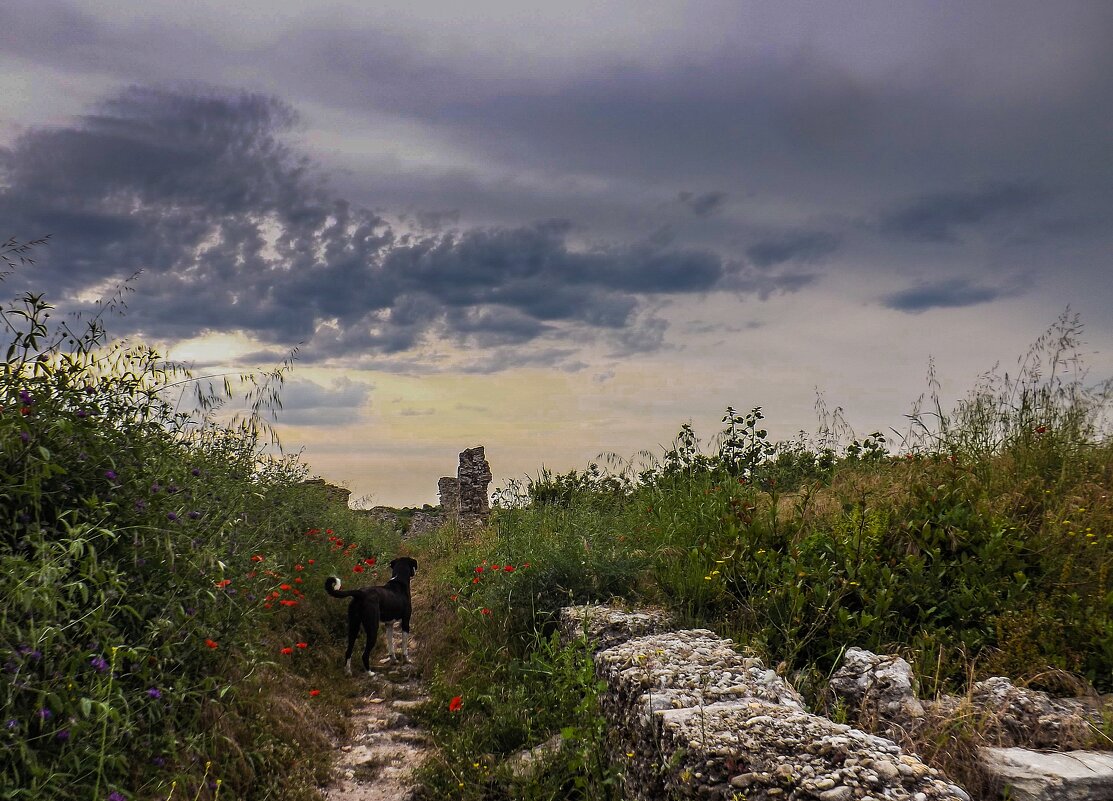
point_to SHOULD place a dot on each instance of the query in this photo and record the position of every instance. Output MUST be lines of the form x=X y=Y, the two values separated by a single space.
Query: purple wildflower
x=23 y=435
x=63 y=735
x=195 y=472
x=100 y=663
x=194 y=515
x=140 y=505
x=154 y=692
x=171 y=516
x=12 y=724
x=110 y=475
x=115 y=796
x=45 y=714
x=82 y=414
x=155 y=488
x=172 y=489
x=25 y=396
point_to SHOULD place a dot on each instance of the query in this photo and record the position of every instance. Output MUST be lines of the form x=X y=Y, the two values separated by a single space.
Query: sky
x=566 y=229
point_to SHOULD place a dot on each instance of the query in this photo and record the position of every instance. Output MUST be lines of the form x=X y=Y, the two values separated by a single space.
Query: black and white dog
x=371 y=606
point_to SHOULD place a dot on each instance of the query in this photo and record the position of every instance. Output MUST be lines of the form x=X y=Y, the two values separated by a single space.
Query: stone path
x=386 y=745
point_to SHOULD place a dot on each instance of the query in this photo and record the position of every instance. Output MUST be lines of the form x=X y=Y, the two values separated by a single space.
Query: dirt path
x=386 y=745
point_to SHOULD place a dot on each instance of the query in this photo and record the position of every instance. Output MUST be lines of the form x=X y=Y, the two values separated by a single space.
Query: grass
x=979 y=542
x=163 y=633
x=158 y=635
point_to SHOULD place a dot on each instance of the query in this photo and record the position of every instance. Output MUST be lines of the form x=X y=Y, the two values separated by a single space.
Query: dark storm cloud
x=943 y=216
x=943 y=295
x=234 y=231
x=704 y=204
x=802 y=246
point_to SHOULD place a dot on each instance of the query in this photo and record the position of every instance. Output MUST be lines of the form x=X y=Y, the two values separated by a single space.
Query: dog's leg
x=389 y=644
x=353 y=632
x=371 y=626
x=406 y=639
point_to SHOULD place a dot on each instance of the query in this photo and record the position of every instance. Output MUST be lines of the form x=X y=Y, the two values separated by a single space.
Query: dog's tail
x=332 y=587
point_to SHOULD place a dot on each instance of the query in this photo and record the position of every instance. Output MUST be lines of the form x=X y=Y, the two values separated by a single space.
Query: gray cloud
x=704 y=204
x=306 y=402
x=941 y=217
x=943 y=295
x=235 y=230
x=800 y=246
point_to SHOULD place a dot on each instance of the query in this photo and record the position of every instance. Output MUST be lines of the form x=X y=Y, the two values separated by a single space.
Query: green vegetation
x=982 y=546
x=155 y=641
x=159 y=637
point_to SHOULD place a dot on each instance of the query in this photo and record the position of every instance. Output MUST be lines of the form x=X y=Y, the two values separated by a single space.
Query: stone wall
x=473 y=477
x=448 y=488
x=691 y=718
x=332 y=492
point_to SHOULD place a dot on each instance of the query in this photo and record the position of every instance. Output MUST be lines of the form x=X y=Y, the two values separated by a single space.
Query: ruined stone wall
x=473 y=478
x=332 y=492
x=449 y=490
x=691 y=718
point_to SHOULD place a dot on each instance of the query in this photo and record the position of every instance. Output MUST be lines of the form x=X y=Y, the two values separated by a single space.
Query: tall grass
x=977 y=543
x=154 y=578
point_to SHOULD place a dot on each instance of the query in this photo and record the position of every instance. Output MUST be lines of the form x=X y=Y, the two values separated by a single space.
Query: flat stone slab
x=1052 y=775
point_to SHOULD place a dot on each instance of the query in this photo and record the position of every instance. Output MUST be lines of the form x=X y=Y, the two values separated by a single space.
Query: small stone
x=886 y=771
x=826 y=783
x=843 y=793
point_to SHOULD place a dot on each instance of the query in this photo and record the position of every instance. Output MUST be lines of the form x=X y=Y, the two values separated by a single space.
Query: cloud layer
x=235 y=230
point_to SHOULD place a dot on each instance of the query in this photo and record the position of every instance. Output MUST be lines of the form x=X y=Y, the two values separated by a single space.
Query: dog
x=371 y=606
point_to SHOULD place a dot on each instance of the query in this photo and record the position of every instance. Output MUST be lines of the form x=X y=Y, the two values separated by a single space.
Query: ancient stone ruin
x=472 y=478
x=463 y=499
x=690 y=717
x=449 y=490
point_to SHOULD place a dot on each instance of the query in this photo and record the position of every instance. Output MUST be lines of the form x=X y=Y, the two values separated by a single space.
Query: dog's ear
x=393 y=562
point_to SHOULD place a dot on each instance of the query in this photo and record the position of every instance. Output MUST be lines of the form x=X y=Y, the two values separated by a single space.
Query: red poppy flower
x=299 y=568
x=453 y=597
x=257 y=558
x=525 y=565
x=508 y=569
x=479 y=569
x=475 y=580
x=1041 y=429
x=485 y=611
x=25 y=410
x=224 y=582
x=287 y=651
x=298 y=580
x=358 y=569
x=495 y=567
x=312 y=561
x=284 y=587
x=455 y=704
x=302 y=644
x=267 y=605
x=314 y=693
x=211 y=643
x=369 y=561
x=288 y=602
